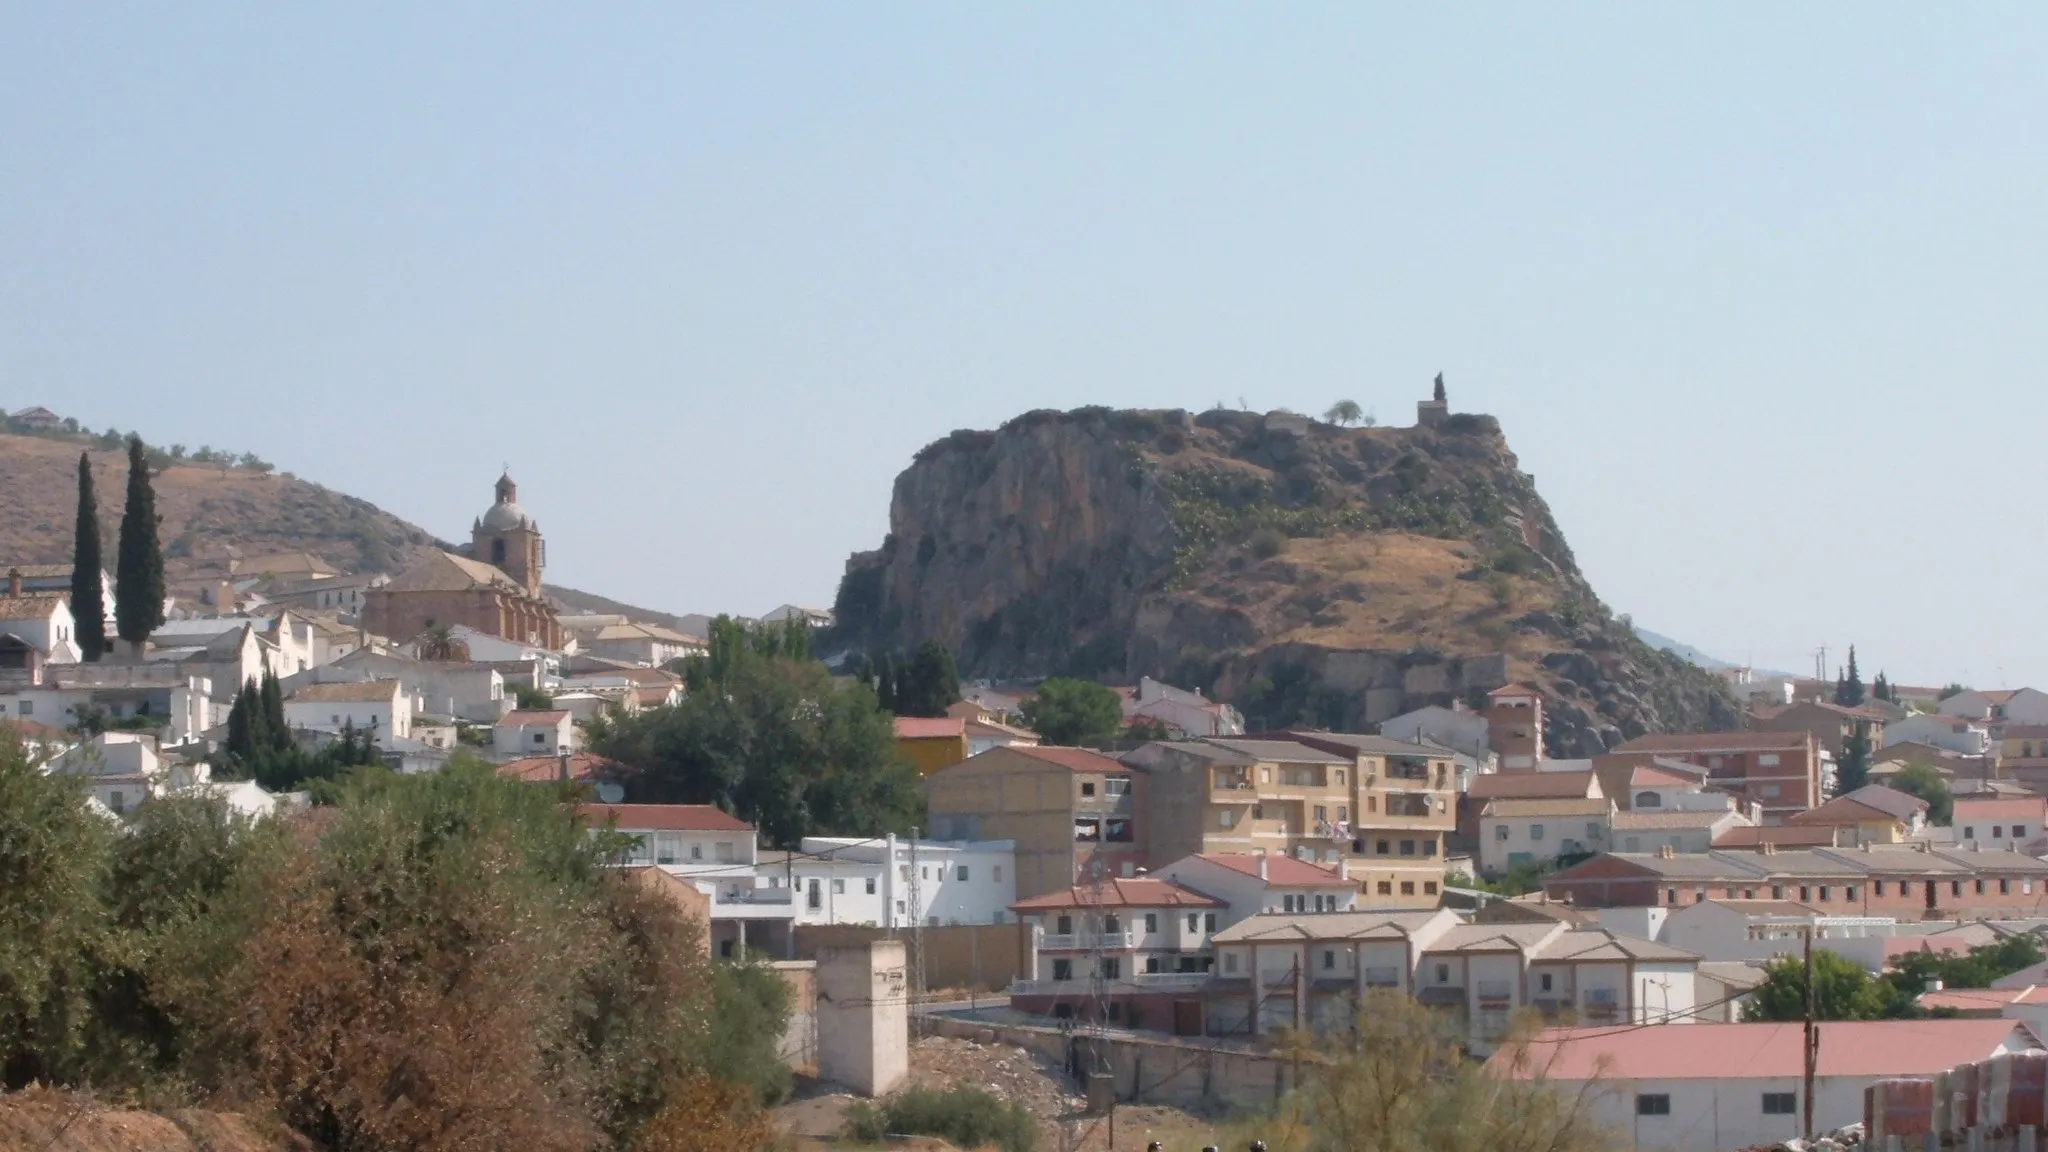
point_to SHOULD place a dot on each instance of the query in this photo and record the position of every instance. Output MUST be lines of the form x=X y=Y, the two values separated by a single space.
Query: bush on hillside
x=963 y=1116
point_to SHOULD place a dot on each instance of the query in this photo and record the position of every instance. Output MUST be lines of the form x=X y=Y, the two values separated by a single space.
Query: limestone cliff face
x=1310 y=573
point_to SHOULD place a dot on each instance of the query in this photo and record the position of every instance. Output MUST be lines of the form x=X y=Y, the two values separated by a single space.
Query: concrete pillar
x=864 y=1016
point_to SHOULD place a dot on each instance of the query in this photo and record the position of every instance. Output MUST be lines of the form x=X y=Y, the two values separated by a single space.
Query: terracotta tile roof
x=525 y=716
x=1281 y=871
x=1077 y=759
x=2009 y=808
x=663 y=817
x=447 y=572
x=1641 y=819
x=1531 y=785
x=29 y=606
x=1787 y=835
x=930 y=728
x=1324 y=926
x=1870 y=802
x=1369 y=745
x=1707 y=1051
x=364 y=692
x=1121 y=893
x=2026 y=732
x=1716 y=742
x=1992 y=1000
x=539 y=769
x=1648 y=776
x=1277 y=751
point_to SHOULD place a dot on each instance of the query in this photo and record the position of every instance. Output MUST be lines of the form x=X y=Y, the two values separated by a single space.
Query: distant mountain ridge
x=1682 y=650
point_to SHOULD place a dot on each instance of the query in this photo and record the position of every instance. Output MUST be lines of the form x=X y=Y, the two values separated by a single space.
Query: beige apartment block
x=1066 y=808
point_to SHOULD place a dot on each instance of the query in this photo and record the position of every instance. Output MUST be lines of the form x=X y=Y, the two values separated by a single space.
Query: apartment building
x=1782 y=773
x=1918 y=881
x=1066 y=809
x=1380 y=806
x=1130 y=952
x=1517 y=832
x=1252 y=883
x=1307 y=971
x=1514 y=717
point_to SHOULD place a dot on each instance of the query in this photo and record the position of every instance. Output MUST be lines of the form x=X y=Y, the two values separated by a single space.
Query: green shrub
x=962 y=1116
x=1268 y=543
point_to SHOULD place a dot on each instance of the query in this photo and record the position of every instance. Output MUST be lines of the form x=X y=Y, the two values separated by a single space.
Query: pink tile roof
x=1982 y=999
x=539 y=769
x=664 y=817
x=525 y=716
x=1077 y=759
x=1281 y=871
x=1646 y=776
x=1120 y=893
x=2006 y=808
x=930 y=728
x=1531 y=785
x=1707 y=1051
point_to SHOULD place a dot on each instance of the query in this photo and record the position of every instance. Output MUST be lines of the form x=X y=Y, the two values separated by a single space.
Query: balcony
x=1084 y=941
x=1376 y=977
x=1233 y=792
x=1494 y=991
x=1080 y=985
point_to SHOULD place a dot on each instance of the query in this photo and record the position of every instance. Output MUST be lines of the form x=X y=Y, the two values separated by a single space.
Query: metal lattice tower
x=1098 y=979
x=916 y=934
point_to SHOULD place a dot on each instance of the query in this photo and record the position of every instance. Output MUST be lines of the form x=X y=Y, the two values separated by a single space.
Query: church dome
x=503 y=516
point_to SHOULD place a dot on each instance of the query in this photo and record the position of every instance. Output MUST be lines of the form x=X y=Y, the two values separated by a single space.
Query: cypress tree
x=241 y=746
x=88 y=598
x=279 y=734
x=139 y=569
x=1849 y=689
x=1441 y=398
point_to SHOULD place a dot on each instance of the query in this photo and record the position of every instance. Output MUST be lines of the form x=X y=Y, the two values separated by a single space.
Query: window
x=2019 y=831
x=1386 y=888
x=1087 y=829
x=1767 y=760
x=1151 y=963
x=1825 y=891
x=1208 y=922
x=1671 y=896
x=1653 y=1104
x=540 y=737
x=1649 y=800
x=960 y=872
x=903 y=873
x=1224 y=818
x=1876 y=889
x=1980 y=886
x=1955 y=887
x=1116 y=787
x=998 y=874
x=1443 y=973
x=1322 y=814
x=1194 y=922
x=1065 y=925
x=666 y=846
x=813 y=897
x=696 y=852
x=1998 y=831
x=1781 y=1103
x=1151 y=921
x=1592 y=830
x=1500 y=832
x=1112 y=924
x=871 y=885
x=839 y=887
x=1969 y=831
x=1329 y=959
x=1769 y=790
x=1386 y=847
x=924 y=873
x=1063 y=969
x=2004 y=886
x=1777 y=891
x=1805 y=893
x=118 y=802
x=1535 y=831
x=1340 y=777
x=1546 y=981
x=1849 y=892
x=1407 y=847
x=1429 y=887
x=1230 y=961
x=28 y=707
x=1407 y=887
x=1087 y=787
x=1258 y=811
x=1112 y=968
x=1343 y=814
x=1118 y=830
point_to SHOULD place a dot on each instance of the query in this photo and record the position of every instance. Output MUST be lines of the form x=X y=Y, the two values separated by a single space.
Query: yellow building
x=931 y=743
x=1874 y=813
x=1381 y=806
x=1066 y=808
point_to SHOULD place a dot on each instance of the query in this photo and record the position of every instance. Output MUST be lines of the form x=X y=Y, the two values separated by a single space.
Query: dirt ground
x=814 y=1118
x=66 y=1122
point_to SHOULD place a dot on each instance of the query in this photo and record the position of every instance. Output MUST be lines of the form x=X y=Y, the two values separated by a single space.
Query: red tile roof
x=1707 y=1051
x=1646 y=776
x=664 y=817
x=1991 y=1000
x=930 y=728
x=1120 y=893
x=1782 y=835
x=526 y=716
x=2007 y=808
x=1281 y=871
x=1078 y=759
x=540 y=769
x=1531 y=785
x=1716 y=742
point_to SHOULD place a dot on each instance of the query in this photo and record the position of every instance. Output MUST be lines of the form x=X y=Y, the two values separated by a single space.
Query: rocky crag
x=1308 y=572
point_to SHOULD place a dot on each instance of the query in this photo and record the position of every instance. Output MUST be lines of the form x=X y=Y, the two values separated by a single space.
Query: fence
x=1995 y=1105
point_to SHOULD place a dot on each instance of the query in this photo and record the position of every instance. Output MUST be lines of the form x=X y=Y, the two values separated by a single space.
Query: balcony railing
x=757 y=896
x=1382 y=977
x=1080 y=941
x=1080 y=985
x=1491 y=990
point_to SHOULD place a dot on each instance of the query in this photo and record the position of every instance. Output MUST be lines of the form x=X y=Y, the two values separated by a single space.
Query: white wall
x=56 y=633
x=2008 y=832
x=508 y=740
x=866 y=882
x=384 y=717
x=1939 y=731
x=1495 y=853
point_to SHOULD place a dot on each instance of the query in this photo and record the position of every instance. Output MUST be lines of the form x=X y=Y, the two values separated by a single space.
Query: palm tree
x=439 y=642
x=1345 y=412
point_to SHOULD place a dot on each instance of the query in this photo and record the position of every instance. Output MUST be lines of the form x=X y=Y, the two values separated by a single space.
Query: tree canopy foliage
x=139 y=565
x=1849 y=687
x=767 y=734
x=925 y=684
x=260 y=746
x=1074 y=712
x=1924 y=782
x=1844 y=991
x=438 y=961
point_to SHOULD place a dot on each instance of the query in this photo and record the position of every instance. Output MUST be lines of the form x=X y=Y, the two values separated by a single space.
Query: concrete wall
x=986 y=957
x=1177 y=1073
x=863 y=1016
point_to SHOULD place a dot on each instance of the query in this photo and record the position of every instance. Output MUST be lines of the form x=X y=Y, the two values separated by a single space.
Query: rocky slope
x=1310 y=573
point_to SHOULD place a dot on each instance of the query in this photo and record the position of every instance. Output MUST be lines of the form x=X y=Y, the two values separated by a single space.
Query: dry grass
x=202 y=506
x=69 y=1122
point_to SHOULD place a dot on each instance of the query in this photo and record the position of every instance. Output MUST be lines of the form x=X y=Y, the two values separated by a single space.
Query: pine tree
x=1849 y=689
x=88 y=598
x=1881 y=689
x=1854 y=770
x=1441 y=396
x=929 y=684
x=241 y=747
x=139 y=569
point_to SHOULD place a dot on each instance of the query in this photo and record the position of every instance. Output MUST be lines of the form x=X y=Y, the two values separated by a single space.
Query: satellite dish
x=610 y=793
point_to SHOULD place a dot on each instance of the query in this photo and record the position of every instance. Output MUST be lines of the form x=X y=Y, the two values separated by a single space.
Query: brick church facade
x=495 y=590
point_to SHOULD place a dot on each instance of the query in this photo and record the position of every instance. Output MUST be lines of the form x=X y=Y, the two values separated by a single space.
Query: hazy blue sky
x=1757 y=291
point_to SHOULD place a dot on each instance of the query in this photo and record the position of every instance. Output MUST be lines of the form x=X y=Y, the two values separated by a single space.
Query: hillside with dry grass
x=205 y=508
x=1310 y=573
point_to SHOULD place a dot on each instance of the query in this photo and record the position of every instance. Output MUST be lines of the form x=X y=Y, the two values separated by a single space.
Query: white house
x=717 y=853
x=125 y=770
x=1181 y=711
x=166 y=692
x=1711 y=1086
x=1956 y=734
x=466 y=691
x=1640 y=830
x=888 y=882
x=1515 y=832
x=1761 y=929
x=44 y=622
x=1455 y=728
x=1999 y=824
x=380 y=707
x=534 y=732
x=1252 y=883
x=2012 y=705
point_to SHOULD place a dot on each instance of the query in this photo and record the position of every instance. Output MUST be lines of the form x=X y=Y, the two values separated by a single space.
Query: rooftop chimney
x=562 y=765
x=14 y=581
x=1262 y=864
x=1769 y=848
x=1343 y=867
x=1667 y=851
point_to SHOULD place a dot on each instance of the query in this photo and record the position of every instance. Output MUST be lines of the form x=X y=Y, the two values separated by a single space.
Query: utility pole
x=916 y=937
x=1812 y=1039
